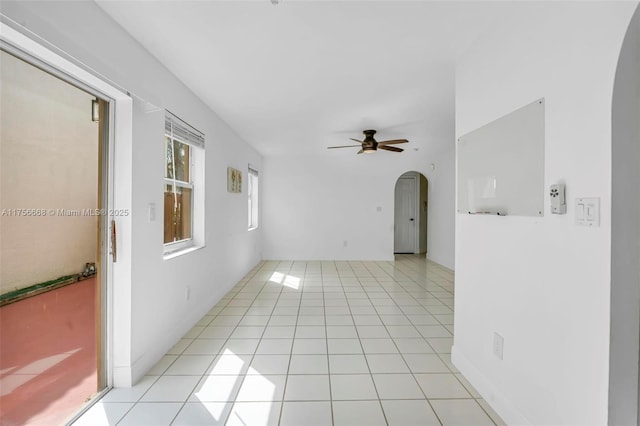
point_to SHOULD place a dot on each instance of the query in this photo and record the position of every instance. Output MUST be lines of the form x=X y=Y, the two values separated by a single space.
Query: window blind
x=253 y=171
x=183 y=132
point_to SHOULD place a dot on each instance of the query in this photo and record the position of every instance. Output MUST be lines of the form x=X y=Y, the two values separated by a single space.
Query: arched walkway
x=410 y=213
x=624 y=380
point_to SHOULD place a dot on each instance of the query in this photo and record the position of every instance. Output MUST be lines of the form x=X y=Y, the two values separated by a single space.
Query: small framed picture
x=234 y=180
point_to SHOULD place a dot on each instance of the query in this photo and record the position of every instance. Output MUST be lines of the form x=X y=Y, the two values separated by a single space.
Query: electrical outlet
x=152 y=212
x=498 y=345
x=345 y=243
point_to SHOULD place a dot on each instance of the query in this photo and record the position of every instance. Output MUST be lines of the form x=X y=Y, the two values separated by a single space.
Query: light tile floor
x=313 y=343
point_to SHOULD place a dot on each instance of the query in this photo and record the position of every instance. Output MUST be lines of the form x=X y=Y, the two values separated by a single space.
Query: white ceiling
x=303 y=75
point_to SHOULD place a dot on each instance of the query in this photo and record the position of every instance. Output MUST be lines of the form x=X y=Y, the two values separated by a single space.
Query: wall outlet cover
x=498 y=346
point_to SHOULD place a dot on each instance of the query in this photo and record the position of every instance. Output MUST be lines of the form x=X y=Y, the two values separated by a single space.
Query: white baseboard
x=446 y=268
x=496 y=399
x=122 y=377
x=440 y=265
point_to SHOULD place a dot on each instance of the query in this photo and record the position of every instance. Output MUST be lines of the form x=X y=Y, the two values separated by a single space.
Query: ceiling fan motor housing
x=369 y=144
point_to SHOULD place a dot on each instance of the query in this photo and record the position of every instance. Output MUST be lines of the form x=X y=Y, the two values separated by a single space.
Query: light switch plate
x=588 y=212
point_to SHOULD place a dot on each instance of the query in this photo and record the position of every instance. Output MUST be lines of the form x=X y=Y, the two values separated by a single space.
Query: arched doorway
x=624 y=349
x=410 y=214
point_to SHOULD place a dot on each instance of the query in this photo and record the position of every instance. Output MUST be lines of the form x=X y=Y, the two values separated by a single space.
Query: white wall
x=49 y=161
x=542 y=283
x=311 y=205
x=160 y=315
x=625 y=237
x=441 y=210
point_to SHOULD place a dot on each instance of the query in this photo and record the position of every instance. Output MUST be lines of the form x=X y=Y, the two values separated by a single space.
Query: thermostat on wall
x=558 y=203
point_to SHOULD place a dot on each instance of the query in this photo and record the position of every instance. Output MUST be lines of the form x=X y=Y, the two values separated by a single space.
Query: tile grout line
x=293 y=341
x=405 y=361
x=441 y=358
x=365 y=275
x=163 y=374
x=412 y=373
x=439 y=355
x=326 y=339
x=232 y=403
x=218 y=355
x=366 y=360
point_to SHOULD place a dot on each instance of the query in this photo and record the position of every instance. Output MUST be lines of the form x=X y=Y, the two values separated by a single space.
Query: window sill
x=253 y=229
x=180 y=252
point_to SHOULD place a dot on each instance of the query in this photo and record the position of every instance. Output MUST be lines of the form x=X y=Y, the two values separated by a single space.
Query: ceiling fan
x=370 y=145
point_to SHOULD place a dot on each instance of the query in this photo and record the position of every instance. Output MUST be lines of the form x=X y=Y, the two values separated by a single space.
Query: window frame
x=253 y=185
x=184 y=243
x=172 y=248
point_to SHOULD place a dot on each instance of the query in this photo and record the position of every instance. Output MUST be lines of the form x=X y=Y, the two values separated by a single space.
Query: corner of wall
x=625 y=233
x=494 y=397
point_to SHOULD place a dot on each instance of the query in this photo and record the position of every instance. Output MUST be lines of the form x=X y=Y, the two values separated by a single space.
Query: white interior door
x=405 y=220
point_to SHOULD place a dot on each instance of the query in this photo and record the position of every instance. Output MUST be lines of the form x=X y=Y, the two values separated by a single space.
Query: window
x=252 y=190
x=184 y=148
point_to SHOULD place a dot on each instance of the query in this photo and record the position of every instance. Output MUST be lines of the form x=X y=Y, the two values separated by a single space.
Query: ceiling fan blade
x=343 y=146
x=355 y=140
x=390 y=148
x=392 y=141
x=361 y=151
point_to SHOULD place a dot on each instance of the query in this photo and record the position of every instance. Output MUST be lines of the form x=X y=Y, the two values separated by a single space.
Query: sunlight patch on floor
x=286 y=280
x=19 y=377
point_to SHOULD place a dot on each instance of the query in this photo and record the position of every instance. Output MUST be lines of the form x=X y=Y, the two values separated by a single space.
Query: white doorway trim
x=118 y=297
x=405 y=197
x=624 y=337
x=420 y=213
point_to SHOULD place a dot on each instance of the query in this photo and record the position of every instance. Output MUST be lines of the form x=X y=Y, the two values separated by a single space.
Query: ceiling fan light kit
x=369 y=145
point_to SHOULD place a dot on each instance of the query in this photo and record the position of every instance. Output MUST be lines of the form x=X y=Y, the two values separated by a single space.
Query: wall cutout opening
x=410 y=214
